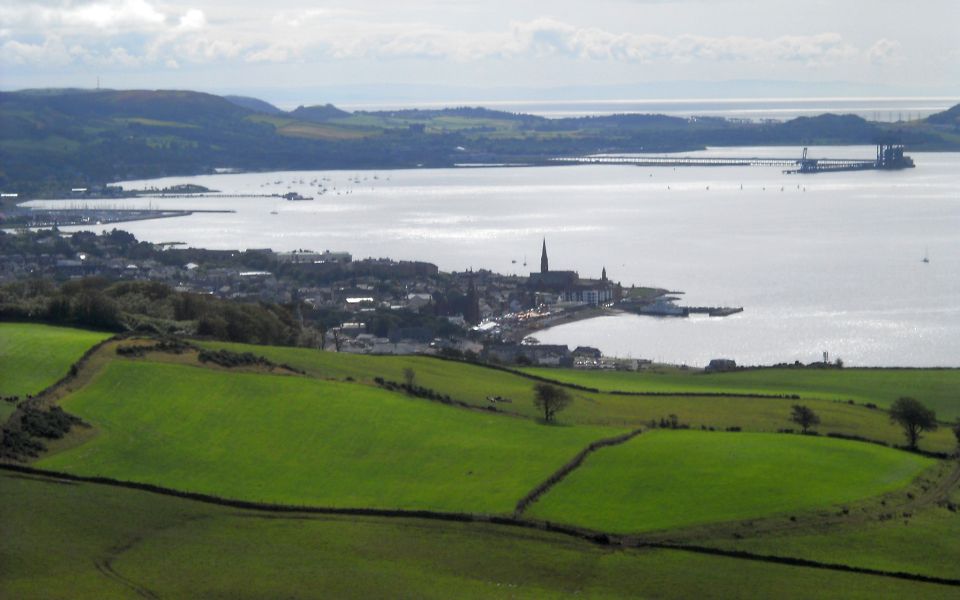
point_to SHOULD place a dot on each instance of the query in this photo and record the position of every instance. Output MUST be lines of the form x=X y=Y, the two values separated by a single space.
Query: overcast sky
x=273 y=48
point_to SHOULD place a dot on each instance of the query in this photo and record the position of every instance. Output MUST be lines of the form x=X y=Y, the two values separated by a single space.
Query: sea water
x=820 y=263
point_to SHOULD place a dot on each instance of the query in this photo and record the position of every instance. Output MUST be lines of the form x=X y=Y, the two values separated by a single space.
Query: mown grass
x=473 y=384
x=670 y=479
x=33 y=357
x=937 y=388
x=53 y=536
x=302 y=441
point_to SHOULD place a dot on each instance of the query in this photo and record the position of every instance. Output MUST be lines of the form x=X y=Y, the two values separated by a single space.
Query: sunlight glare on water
x=826 y=262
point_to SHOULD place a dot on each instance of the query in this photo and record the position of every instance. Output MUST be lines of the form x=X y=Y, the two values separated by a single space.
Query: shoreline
x=581 y=314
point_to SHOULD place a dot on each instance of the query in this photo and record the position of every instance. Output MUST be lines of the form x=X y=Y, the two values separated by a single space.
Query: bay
x=827 y=262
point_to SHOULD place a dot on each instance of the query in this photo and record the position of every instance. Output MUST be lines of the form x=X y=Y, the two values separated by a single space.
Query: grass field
x=669 y=479
x=296 y=440
x=84 y=541
x=474 y=383
x=927 y=543
x=33 y=357
x=937 y=388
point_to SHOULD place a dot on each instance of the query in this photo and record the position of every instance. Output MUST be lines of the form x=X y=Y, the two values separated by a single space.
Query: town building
x=567 y=286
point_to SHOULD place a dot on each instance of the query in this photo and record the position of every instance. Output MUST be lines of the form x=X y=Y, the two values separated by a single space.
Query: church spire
x=544 y=264
x=603 y=276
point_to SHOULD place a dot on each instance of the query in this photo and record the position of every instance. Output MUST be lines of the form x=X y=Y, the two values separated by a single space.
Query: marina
x=835 y=267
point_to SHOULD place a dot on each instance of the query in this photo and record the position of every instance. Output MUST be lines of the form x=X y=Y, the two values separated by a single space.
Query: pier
x=889 y=157
x=202 y=195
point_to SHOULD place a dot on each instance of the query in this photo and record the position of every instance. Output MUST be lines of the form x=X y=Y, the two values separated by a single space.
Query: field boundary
x=592 y=536
x=584 y=388
x=37 y=400
x=561 y=473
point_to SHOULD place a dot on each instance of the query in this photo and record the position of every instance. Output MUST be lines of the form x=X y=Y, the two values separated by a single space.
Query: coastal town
x=369 y=305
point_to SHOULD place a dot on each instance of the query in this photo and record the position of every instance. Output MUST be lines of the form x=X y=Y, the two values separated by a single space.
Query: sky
x=282 y=50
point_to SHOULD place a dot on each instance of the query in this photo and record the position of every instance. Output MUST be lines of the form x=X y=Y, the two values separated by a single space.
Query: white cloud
x=52 y=52
x=312 y=15
x=192 y=20
x=886 y=52
x=274 y=53
x=161 y=34
x=111 y=15
x=106 y=16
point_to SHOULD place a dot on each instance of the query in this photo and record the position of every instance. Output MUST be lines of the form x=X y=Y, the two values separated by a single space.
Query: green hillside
x=85 y=541
x=331 y=437
x=57 y=139
x=294 y=440
x=670 y=479
x=927 y=543
x=33 y=357
x=475 y=383
x=937 y=388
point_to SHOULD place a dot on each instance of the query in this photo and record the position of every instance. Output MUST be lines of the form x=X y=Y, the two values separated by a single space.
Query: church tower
x=603 y=275
x=544 y=263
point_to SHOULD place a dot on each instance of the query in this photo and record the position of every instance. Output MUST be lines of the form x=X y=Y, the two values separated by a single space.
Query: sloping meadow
x=669 y=479
x=302 y=441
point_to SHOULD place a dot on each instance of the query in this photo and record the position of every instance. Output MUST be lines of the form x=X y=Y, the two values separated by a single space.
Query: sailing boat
x=926 y=256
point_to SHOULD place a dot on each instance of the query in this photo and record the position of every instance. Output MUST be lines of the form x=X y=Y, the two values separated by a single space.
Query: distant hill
x=318 y=114
x=951 y=116
x=470 y=112
x=254 y=104
x=53 y=140
x=830 y=127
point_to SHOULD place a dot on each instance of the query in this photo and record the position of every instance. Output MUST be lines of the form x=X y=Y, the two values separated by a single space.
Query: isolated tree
x=804 y=417
x=550 y=399
x=914 y=417
x=409 y=375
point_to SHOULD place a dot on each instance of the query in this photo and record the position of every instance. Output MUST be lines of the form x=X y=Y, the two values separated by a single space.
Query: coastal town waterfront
x=829 y=262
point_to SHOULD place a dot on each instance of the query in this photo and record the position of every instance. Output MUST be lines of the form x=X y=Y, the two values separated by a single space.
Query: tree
x=804 y=417
x=409 y=376
x=550 y=399
x=914 y=417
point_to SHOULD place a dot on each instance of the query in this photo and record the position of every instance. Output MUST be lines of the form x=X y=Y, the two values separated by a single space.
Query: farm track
x=105 y=567
x=902 y=504
x=596 y=537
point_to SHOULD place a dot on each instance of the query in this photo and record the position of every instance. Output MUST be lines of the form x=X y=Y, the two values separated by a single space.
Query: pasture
x=301 y=441
x=670 y=479
x=33 y=357
x=927 y=543
x=937 y=388
x=474 y=383
x=87 y=541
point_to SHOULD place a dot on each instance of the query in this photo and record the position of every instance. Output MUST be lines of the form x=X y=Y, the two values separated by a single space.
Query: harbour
x=836 y=267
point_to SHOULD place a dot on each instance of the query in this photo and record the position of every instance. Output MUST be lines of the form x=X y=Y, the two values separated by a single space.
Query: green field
x=302 y=441
x=474 y=383
x=60 y=540
x=33 y=357
x=331 y=438
x=927 y=543
x=670 y=479
x=937 y=388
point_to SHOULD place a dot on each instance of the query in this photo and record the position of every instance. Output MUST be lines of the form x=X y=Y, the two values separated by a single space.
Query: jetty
x=889 y=157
